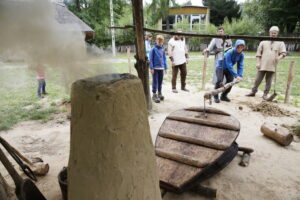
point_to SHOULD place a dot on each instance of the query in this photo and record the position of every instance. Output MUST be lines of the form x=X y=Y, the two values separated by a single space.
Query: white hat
x=274 y=28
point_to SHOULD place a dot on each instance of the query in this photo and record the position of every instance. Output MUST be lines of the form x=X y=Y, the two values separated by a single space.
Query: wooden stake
x=289 y=82
x=129 y=59
x=204 y=70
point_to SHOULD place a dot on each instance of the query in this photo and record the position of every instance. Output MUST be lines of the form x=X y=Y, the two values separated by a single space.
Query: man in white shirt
x=178 y=55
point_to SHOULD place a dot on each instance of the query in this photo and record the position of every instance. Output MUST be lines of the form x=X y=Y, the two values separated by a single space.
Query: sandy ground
x=273 y=172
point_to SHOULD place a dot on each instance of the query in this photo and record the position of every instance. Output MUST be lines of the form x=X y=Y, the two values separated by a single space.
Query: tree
x=221 y=9
x=284 y=14
x=159 y=9
x=96 y=14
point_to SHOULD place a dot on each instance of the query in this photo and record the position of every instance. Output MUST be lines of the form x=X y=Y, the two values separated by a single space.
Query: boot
x=184 y=89
x=251 y=94
x=225 y=98
x=216 y=99
x=265 y=96
x=155 y=98
x=160 y=96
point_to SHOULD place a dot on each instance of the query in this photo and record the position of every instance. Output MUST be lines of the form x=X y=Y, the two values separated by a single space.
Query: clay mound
x=269 y=109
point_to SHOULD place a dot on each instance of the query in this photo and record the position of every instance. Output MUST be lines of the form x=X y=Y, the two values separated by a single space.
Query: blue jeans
x=41 y=87
x=157 y=79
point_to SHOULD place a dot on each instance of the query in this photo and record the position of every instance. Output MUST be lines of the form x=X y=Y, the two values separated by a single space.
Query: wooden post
x=289 y=82
x=141 y=66
x=129 y=59
x=204 y=70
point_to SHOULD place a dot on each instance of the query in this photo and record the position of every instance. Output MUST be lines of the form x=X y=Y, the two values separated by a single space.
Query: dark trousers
x=221 y=73
x=259 y=77
x=157 y=79
x=41 y=86
x=183 y=73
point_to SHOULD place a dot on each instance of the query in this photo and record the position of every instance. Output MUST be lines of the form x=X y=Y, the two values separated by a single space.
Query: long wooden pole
x=204 y=70
x=246 y=37
x=141 y=65
x=209 y=95
x=289 y=82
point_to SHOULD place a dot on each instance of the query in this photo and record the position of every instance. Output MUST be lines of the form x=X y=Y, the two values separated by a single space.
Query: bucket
x=63 y=183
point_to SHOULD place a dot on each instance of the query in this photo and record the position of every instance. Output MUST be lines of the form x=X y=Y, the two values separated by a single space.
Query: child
x=225 y=68
x=40 y=70
x=158 y=64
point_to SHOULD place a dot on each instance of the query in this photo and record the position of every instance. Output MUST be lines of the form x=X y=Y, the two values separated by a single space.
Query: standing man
x=225 y=68
x=178 y=55
x=148 y=43
x=267 y=57
x=216 y=45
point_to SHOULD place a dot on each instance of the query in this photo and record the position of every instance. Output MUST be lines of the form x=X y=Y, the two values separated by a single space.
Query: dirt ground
x=273 y=172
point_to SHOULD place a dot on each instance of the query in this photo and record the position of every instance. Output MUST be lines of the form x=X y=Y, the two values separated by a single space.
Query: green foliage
x=96 y=14
x=284 y=14
x=221 y=9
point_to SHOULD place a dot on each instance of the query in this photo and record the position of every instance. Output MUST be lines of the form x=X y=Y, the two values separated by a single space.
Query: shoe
x=251 y=94
x=160 y=96
x=40 y=96
x=155 y=98
x=184 y=89
x=174 y=91
x=45 y=93
x=265 y=97
x=225 y=98
x=216 y=99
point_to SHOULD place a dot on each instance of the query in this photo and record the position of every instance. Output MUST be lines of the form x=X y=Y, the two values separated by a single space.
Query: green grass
x=18 y=101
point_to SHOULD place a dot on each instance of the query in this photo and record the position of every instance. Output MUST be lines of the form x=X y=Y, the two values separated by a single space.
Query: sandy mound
x=269 y=109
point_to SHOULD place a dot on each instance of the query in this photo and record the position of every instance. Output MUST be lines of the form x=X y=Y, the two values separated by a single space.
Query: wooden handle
x=11 y=170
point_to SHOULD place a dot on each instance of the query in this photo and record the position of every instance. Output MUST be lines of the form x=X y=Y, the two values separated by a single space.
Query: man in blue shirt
x=225 y=68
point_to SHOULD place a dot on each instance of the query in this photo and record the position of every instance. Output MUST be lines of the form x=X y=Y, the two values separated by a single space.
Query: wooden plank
x=214 y=120
x=174 y=173
x=190 y=154
x=208 y=110
x=196 y=134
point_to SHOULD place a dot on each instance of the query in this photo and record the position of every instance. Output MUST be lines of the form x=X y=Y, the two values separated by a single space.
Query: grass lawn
x=18 y=100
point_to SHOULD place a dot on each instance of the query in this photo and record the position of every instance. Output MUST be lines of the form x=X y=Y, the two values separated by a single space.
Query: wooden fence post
x=204 y=70
x=289 y=82
x=129 y=59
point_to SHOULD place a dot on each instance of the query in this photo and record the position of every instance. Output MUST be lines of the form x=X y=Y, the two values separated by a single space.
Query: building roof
x=64 y=16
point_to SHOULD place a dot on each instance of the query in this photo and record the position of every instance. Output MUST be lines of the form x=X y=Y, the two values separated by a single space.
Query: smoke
x=29 y=31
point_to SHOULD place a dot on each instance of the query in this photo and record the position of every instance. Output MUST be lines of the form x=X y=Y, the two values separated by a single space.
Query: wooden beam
x=246 y=37
x=141 y=65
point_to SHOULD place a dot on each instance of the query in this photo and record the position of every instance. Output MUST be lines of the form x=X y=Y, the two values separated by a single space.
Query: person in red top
x=41 y=77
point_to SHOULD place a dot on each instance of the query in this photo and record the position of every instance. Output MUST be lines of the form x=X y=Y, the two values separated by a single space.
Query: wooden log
x=245 y=159
x=289 y=82
x=204 y=70
x=277 y=133
x=205 y=191
x=209 y=95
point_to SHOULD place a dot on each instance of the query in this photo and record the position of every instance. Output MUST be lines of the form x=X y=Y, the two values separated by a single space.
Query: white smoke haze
x=30 y=31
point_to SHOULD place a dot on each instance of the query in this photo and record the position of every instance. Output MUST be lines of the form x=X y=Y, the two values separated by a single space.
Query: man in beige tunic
x=267 y=57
